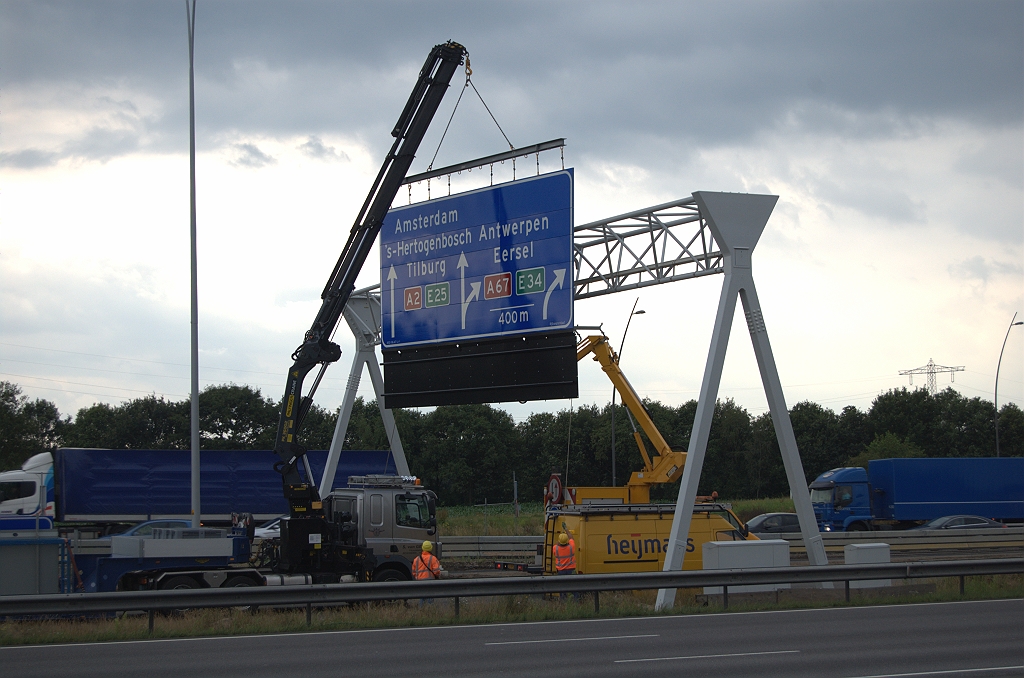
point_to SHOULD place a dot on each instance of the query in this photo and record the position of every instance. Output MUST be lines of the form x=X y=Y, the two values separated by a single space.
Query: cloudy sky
x=892 y=132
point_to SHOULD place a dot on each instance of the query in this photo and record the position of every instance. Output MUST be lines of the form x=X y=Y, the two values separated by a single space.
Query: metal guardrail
x=939 y=539
x=489 y=547
x=334 y=594
x=503 y=547
x=479 y=546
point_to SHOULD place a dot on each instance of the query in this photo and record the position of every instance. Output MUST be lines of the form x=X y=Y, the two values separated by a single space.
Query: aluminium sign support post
x=363 y=313
x=737 y=221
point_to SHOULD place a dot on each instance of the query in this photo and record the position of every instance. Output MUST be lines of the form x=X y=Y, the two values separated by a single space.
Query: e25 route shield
x=492 y=262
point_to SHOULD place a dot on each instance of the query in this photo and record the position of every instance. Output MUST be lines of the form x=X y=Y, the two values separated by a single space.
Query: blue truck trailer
x=100 y=488
x=901 y=493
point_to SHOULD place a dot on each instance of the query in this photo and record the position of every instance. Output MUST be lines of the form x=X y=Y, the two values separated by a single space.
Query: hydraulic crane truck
x=618 y=529
x=318 y=537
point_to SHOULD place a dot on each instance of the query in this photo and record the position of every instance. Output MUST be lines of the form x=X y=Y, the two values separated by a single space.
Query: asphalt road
x=940 y=639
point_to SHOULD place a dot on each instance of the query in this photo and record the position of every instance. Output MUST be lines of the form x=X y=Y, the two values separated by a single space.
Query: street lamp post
x=995 y=394
x=622 y=344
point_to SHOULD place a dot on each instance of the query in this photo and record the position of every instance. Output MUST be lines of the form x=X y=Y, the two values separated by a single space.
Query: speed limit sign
x=554 y=492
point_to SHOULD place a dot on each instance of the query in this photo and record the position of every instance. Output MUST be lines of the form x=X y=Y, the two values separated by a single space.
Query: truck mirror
x=433 y=521
x=431 y=506
x=745 y=531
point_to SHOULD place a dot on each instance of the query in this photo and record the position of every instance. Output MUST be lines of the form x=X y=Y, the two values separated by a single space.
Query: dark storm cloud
x=29 y=158
x=608 y=74
x=650 y=85
x=316 y=149
x=249 y=155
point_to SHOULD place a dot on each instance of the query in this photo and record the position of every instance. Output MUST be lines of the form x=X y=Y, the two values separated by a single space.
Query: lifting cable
x=468 y=83
x=568 y=446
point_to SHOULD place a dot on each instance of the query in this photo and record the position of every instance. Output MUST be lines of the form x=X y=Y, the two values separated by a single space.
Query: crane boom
x=667 y=464
x=317 y=347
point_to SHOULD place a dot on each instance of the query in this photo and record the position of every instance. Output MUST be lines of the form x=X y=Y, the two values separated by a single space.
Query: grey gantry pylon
x=363 y=314
x=737 y=220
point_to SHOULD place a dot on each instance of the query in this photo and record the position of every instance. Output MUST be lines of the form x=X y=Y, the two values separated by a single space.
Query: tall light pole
x=622 y=343
x=995 y=394
x=196 y=504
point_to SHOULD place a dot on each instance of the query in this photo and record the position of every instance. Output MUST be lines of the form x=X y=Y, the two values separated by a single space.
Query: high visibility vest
x=565 y=556
x=426 y=566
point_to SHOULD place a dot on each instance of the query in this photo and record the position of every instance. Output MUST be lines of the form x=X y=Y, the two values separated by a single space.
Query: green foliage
x=886 y=446
x=469 y=453
x=236 y=417
x=27 y=427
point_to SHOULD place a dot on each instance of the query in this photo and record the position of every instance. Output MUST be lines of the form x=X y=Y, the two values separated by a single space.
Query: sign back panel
x=493 y=262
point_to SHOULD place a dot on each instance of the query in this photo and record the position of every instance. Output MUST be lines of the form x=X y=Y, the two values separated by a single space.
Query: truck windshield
x=730 y=518
x=19 y=489
x=821 y=496
x=412 y=511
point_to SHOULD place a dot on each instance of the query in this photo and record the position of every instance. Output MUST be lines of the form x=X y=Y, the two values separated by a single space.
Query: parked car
x=270 y=529
x=774 y=523
x=146 y=529
x=960 y=523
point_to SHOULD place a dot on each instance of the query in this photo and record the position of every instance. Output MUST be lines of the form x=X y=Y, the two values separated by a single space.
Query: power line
x=931 y=369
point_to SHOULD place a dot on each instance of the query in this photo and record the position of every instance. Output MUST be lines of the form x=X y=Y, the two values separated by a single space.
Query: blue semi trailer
x=107 y=489
x=896 y=494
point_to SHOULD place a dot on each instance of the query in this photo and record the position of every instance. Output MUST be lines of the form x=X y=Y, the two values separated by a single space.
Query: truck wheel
x=857 y=527
x=238 y=581
x=235 y=582
x=386 y=575
x=390 y=574
x=181 y=582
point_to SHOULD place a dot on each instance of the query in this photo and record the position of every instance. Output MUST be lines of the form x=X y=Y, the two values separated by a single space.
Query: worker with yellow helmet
x=564 y=555
x=426 y=565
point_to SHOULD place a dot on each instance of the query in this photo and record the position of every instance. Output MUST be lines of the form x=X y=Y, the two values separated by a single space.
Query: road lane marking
x=707 y=656
x=945 y=672
x=549 y=622
x=571 y=640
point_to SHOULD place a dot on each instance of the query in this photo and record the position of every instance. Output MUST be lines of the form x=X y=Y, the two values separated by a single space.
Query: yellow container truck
x=634 y=538
x=617 y=529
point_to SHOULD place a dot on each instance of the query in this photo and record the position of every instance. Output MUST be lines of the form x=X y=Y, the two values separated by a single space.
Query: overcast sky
x=892 y=132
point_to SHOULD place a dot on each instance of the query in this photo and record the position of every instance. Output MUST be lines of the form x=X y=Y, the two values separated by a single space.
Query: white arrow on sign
x=392 y=276
x=559 y=280
x=473 y=286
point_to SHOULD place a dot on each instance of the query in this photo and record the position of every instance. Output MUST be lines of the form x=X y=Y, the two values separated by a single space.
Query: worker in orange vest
x=564 y=553
x=426 y=566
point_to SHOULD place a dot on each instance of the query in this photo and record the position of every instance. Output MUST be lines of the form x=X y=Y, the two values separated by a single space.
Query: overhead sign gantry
x=477 y=296
x=493 y=262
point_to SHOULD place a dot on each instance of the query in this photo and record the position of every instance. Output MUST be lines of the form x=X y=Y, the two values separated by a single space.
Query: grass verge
x=228 y=622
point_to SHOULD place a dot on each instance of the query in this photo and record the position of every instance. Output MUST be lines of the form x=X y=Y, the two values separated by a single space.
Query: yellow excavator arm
x=667 y=464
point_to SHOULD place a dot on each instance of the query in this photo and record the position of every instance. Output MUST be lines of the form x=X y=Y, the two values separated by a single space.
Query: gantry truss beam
x=651 y=246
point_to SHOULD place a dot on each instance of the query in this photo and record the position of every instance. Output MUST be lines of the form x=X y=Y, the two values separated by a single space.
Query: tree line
x=469 y=453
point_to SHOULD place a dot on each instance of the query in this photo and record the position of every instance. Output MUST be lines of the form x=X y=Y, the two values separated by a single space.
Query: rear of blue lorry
x=903 y=493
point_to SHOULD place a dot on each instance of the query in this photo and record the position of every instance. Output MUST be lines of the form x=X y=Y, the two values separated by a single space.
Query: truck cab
x=393 y=516
x=28 y=492
x=841 y=500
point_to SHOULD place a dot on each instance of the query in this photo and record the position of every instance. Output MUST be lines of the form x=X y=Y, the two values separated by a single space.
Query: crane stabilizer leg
x=317 y=348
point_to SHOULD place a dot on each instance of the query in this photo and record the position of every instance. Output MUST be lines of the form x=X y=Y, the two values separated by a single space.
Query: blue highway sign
x=491 y=262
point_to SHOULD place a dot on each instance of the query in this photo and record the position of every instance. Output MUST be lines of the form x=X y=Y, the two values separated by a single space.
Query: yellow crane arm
x=667 y=464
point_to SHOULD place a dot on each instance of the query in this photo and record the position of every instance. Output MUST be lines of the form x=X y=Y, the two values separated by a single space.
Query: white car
x=270 y=529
